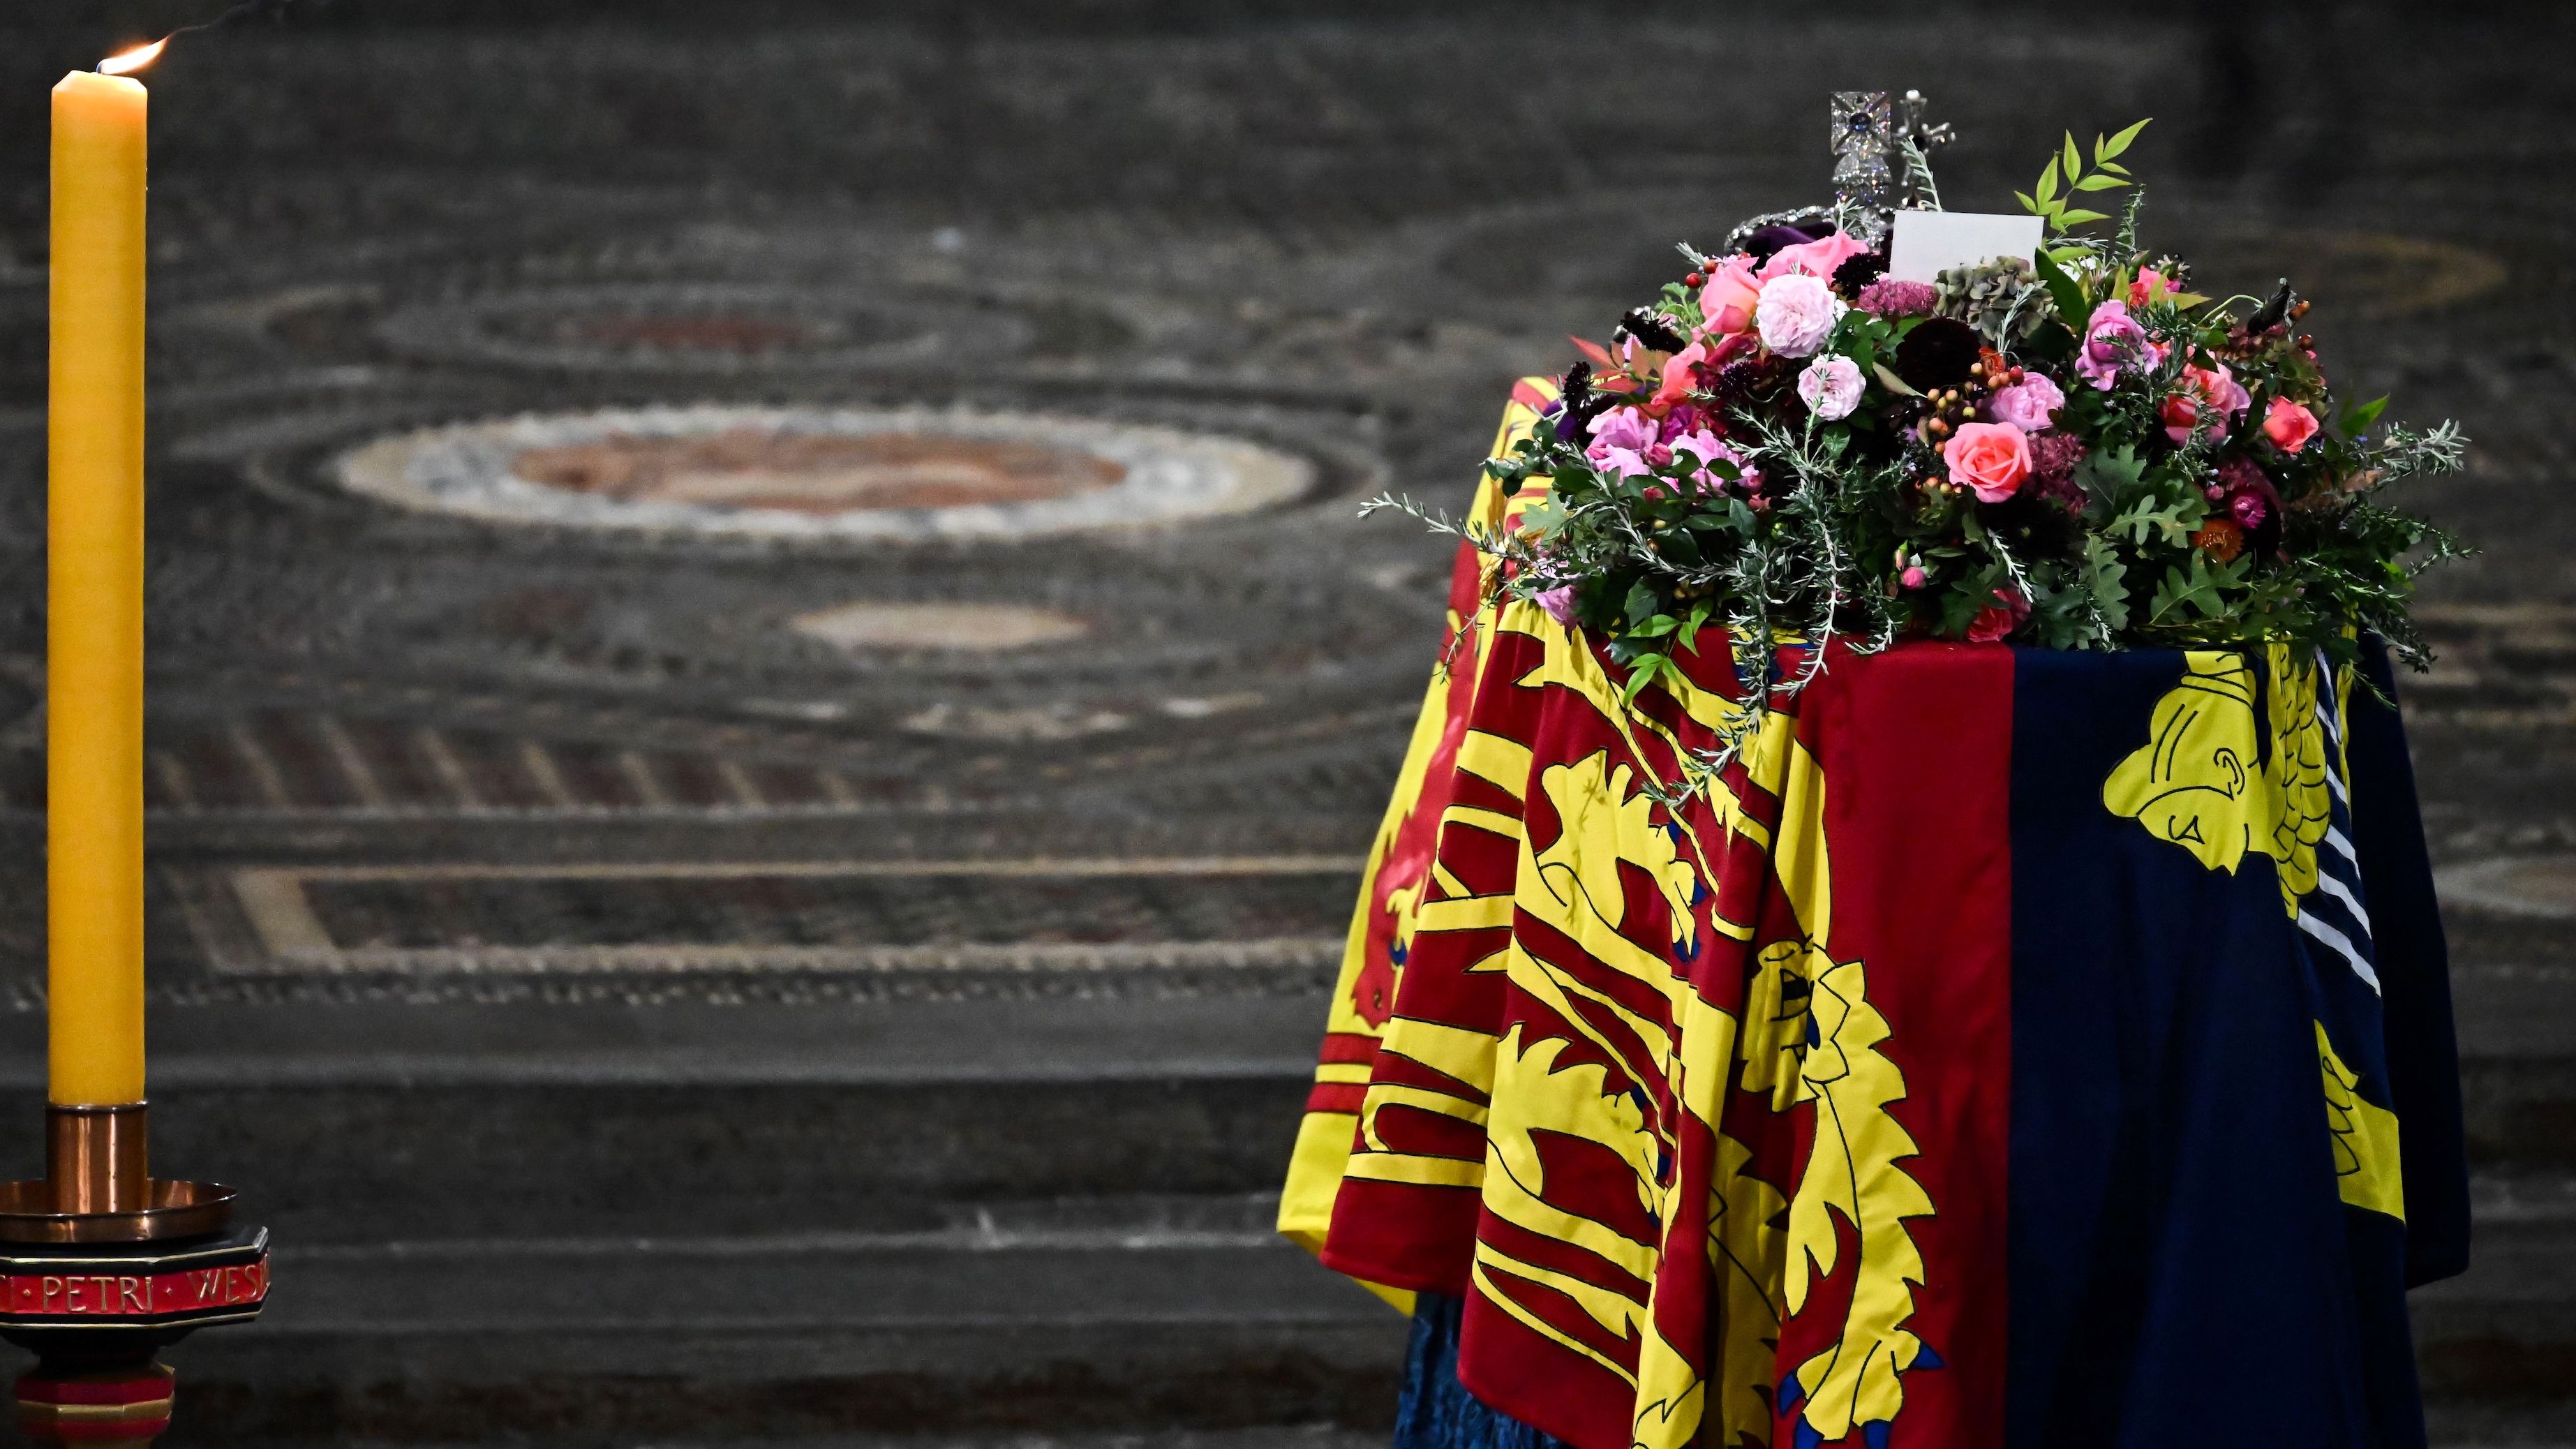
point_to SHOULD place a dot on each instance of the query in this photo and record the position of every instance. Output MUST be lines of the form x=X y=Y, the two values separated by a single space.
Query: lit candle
x=94 y=582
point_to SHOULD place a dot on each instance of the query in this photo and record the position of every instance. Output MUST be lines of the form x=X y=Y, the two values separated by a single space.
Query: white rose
x=1831 y=386
x=1796 y=313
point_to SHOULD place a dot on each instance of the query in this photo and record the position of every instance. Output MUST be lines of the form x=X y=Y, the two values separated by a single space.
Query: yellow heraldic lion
x=1531 y=1092
x=1853 y=1172
x=2367 y=1173
x=2195 y=783
x=1608 y=822
x=2202 y=780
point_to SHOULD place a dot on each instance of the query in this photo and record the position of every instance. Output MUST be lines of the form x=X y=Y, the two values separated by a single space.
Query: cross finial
x=1881 y=148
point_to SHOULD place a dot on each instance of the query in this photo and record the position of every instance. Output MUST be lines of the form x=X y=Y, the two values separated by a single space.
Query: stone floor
x=557 y=883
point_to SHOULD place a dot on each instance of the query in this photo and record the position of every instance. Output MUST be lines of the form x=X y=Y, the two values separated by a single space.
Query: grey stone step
x=1151 y=1313
x=2513 y=989
x=373 y=1122
x=2505 y=1331
x=1047 y=1316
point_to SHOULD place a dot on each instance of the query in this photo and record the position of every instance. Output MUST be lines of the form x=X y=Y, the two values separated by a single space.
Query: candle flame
x=133 y=60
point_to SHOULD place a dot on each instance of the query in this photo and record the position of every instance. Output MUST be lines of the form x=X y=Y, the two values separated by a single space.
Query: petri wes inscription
x=132 y=1295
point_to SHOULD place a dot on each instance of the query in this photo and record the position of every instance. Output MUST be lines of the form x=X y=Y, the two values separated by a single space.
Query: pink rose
x=1796 y=314
x=1914 y=577
x=2150 y=285
x=2027 y=404
x=2289 y=425
x=1991 y=458
x=1728 y=298
x=1997 y=620
x=2113 y=341
x=1819 y=258
x=2203 y=402
x=1831 y=386
x=1559 y=603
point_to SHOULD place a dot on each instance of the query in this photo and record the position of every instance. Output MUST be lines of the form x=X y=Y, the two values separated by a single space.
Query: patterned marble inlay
x=912 y=474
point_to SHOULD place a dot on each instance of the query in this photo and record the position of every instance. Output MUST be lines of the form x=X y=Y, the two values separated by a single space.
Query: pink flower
x=2289 y=425
x=1558 y=601
x=2203 y=402
x=2027 y=404
x=1819 y=258
x=1622 y=441
x=1991 y=458
x=2149 y=285
x=1914 y=577
x=1728 y=297
x=2249 y=510
x=1890 y=297
x=1997 y=620
x=1831 y=386
x=1796 y=314
x=2113 y=340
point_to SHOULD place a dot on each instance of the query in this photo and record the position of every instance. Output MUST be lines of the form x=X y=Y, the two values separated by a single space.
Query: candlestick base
x=98 y=1186
x=95 y=1316
x=172 y=1211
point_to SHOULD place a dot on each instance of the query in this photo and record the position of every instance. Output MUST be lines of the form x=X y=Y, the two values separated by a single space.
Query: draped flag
x=2005 y=1046
x=1399 y=864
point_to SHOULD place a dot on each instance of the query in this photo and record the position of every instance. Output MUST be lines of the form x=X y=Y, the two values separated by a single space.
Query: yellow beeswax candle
x=94 y=583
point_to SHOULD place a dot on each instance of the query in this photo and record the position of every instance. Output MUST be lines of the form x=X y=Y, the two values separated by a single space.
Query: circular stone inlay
x=871 y=625
x=799 y=472
x=815 y=473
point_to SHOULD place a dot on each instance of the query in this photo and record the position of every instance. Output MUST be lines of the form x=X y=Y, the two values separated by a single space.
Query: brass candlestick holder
x=103 y=1265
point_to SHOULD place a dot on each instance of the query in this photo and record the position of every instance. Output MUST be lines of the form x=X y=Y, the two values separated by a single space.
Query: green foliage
x=2059 y=211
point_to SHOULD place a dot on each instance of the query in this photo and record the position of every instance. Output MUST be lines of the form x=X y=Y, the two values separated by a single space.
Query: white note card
x=1929 y=243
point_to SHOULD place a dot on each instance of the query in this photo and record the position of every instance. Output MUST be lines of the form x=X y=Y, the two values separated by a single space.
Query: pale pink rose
x=1819 y=258
x=2027 y=404
x=1831 y=386
x=2289 y=425
x=1796 y=314
x=1991 y=458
